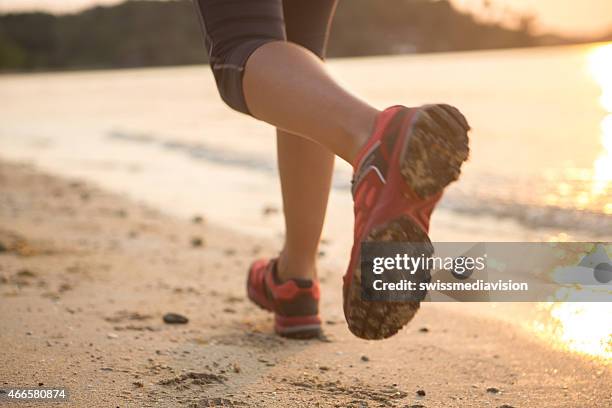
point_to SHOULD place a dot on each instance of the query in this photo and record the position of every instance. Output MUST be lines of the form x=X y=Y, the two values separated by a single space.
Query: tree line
x=153 y=33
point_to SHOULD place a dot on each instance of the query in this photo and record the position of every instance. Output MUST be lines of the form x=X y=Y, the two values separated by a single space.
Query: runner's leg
x=258 y=72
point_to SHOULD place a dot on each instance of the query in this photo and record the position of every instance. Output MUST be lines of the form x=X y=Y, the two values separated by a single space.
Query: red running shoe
x=399 y=176
x=295 y=303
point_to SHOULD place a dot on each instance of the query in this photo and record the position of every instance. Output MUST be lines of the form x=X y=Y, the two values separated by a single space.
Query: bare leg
x=305 y=172
x=288 y=86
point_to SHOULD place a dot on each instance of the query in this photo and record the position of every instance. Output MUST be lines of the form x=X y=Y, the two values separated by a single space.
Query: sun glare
x=587 y=327
x=580 y=327
x=600 y=67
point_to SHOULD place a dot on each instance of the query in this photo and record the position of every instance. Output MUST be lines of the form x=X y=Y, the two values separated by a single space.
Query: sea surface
x=541 y=146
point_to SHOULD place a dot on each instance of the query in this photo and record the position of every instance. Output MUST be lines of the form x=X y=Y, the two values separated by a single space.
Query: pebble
x=112 y=336
x=492 y=390
x=421 y=393
x=197 y=242
x=269 y=210
x=197 y=219
x=365 y=358
x=424 y=330
x=175 y=318
x=26 y=273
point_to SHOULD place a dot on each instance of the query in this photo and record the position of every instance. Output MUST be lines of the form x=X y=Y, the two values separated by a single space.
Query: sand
x=87 y=276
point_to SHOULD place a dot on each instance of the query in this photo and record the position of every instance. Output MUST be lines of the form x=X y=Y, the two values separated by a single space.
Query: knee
x=228 y=64
x=232 y=32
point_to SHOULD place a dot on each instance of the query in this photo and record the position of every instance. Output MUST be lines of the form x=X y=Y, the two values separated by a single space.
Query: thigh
x=308 y=22
x=229 y=23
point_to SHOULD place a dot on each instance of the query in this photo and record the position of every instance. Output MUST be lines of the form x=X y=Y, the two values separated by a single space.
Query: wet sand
x=86 y=277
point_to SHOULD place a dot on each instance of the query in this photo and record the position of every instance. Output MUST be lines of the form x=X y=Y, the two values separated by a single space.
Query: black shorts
x=233 y=29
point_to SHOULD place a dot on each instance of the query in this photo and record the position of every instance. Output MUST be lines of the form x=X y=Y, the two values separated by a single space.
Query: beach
x=87 y=275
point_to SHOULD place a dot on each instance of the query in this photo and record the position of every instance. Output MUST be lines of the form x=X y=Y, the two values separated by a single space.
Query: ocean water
x=540 y=167
x=541 y=162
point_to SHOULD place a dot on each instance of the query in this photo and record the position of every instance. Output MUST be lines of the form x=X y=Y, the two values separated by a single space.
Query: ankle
x=361 y=131
x=291 y=268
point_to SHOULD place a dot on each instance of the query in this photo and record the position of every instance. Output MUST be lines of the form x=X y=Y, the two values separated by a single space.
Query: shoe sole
x=434 y=150
x=287 y=327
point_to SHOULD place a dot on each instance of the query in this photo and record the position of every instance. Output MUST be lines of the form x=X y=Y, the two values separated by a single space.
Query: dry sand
x=86 y=276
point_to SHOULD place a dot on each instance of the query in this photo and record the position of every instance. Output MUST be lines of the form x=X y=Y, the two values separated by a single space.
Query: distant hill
x=607 y=37
x=149 y=33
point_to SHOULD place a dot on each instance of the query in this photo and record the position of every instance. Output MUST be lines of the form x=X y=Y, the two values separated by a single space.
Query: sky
x=570 y=17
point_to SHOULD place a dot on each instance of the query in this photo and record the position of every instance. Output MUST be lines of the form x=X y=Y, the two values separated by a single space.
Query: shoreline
x=578 y=43
x=86 y=276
